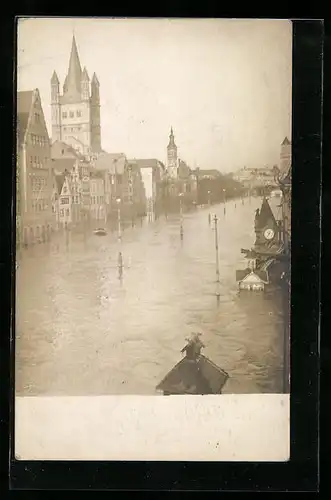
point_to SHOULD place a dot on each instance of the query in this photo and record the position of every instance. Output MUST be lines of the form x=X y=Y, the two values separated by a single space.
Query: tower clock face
x=269 y=234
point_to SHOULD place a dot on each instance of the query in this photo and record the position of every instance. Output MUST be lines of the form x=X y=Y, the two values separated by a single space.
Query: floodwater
x=82 y=331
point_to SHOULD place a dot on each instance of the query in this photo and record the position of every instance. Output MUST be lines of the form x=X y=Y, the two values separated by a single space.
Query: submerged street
x=81 y=331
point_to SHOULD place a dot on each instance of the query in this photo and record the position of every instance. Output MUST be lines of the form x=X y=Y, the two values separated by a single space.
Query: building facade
x=34 y=180
x=98 y=203
x=152 y=172
x=76 y=112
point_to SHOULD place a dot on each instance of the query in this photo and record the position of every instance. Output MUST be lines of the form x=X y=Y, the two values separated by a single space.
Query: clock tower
x=266 y=228
x=172 y=160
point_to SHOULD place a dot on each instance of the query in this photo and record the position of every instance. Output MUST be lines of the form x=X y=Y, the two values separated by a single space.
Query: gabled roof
x=285 y=142
x=242 y=273
x=265 y=216
x=63 y=164
x=114 y=163
x=255 y=276
x=60 y=149
x=24 y=103
x=199 y=376
x=59 y=179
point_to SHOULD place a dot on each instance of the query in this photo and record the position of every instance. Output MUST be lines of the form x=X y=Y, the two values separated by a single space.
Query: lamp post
x=209 y=215
x=120 y=257
x=224 y=200
x=217 y=259
x=181 y=215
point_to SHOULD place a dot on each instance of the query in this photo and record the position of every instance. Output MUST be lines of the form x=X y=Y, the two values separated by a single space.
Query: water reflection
x=81 y=330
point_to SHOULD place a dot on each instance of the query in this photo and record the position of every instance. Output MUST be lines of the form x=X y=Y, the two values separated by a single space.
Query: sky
x=225 y=86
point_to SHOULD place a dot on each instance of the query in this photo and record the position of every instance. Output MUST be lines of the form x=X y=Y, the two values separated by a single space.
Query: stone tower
x=172 y=161
x=285 y=156
x=76 y=112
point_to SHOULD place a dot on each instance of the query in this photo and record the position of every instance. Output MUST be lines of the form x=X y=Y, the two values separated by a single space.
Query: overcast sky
x=224 y=85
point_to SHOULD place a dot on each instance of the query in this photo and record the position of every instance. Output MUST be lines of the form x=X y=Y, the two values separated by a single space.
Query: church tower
x=76 y=112
x=172 y=162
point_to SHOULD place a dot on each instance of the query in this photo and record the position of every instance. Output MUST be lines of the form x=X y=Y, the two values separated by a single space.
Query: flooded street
x=81 y=331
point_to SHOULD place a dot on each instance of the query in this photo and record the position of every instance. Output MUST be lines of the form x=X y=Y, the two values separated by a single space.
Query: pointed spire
x=286 y=142
x=74 y=71
x=85 y=76
x=265 y=215
x=55 y=79
x=95 y=80
x=171 y=139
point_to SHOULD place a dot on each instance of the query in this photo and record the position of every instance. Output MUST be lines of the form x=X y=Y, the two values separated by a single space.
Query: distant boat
x=100 y=231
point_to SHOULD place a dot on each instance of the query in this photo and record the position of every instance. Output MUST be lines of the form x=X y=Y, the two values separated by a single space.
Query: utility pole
x=217 y=258
x=224 y=200
x=181 y=216
x=209 y=215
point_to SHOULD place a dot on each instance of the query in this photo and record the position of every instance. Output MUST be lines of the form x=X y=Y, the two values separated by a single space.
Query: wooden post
x=217 y=258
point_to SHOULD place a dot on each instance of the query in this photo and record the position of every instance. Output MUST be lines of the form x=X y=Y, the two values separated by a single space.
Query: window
x=31 y=161
x=62 y=212
x=65 y=201
x=67 y=212
x=71 y=114
x=78 y=113
x=64 y=114
x=37 y=117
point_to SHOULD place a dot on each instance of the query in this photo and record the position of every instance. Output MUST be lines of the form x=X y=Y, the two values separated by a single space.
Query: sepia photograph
x=153 y=233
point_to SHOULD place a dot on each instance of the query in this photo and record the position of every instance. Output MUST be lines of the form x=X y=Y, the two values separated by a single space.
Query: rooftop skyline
x=223 y=85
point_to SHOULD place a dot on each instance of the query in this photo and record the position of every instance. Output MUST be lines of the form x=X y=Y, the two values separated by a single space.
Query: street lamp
x=120 y=257
x=209 y=215
x=217 y=259
x=224 y=199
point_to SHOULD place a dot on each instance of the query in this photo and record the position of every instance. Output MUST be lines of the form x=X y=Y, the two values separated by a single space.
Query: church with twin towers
x=76 y=111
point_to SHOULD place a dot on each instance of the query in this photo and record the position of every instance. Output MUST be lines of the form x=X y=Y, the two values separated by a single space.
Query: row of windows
x=38 y=162
x=66 y=201
x=39 y=140
x=72 y=129
x=38 y=183
x=71 y=114
x=97 y=200
x=39 y=205
x=67 y=212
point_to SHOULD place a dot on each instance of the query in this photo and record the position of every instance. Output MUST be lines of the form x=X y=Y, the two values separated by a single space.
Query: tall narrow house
x=76 y=112
x=34 y=177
